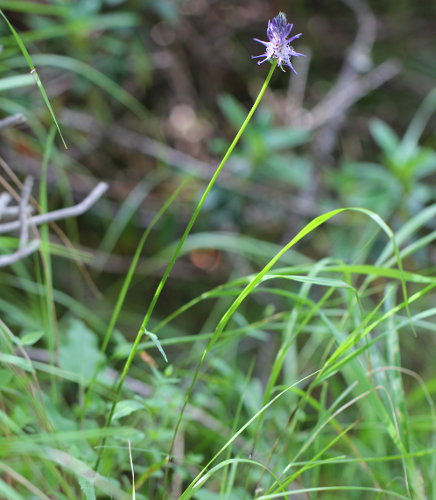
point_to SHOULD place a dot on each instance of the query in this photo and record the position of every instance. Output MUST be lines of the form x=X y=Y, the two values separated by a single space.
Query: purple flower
x=279 y=46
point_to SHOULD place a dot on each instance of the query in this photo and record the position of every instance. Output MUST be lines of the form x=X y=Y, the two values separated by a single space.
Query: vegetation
x=217 y=278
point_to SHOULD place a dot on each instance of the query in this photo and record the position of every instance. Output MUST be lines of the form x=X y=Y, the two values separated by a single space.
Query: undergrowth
x=296 y=375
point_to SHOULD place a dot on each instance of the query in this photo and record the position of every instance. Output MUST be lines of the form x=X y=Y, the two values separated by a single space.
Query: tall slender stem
x=173 y=259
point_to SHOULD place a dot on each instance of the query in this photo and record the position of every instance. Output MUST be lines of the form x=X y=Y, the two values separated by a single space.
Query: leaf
x=34 y=8
x=315 y=280
x=17 y=361
x=94 y=76
x=34 y=73
x=6 y=376
x=232 y=109
x=384 y=136
x=127 y=407
x=31 y=338
x=16 y=81
x=278 y=139
x=79 y=353
x=9 y=492
x=87 y=488
x=155 y=340
x=295 y=170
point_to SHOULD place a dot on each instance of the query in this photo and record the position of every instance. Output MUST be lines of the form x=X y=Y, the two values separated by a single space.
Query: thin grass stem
x=175 y=255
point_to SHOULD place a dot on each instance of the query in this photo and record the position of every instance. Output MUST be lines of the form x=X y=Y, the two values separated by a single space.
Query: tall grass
x=292 y=383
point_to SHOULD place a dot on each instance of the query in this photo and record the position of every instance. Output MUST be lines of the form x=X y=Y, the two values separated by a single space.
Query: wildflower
x=279 y=46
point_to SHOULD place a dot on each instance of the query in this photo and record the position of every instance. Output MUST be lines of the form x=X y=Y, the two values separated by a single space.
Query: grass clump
x=215 y=364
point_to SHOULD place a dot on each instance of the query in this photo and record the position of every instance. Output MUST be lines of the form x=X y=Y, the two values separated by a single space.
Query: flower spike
x=279 y=46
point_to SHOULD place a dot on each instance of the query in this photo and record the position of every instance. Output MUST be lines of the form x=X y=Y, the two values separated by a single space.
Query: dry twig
x=24 y=221
x=13 y=120
x=62 y=213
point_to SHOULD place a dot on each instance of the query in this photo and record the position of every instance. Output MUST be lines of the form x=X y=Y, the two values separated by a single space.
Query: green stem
x=176 y=253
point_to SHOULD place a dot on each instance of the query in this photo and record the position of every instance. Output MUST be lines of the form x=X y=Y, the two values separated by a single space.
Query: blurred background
x=148 y=92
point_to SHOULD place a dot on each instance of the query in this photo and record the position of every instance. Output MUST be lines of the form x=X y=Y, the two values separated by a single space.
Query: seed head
x=279 y=46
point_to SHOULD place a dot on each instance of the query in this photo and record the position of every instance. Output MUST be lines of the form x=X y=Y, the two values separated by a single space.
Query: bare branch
x=13 y=120
x=185 y=163
x=297 y=87
x=356 y=79
x=25 y=249
x=24 y=221
x=23 y=210
x=358 y=58
x=5 y=198
x=13 y=211
x=62 y=213
x=7 y=260
x=359 y=87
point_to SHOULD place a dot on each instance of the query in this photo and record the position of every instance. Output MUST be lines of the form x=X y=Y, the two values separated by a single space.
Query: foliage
x=281 y=348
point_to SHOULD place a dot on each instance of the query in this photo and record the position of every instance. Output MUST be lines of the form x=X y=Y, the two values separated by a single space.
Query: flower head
x=279 y=46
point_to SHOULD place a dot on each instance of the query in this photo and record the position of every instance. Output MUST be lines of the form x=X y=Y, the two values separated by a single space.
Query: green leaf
x=6 y=376
x=297 y=171
x=31 y=338
x=16 y=81
x=17 y=361
x=314 y=280
x=35 y=74
x=232 y=109
x=384 y=136
x=87 y=488
x=91 y=74
x=278 y=139
x=127 y=407
x=79 y=353
x=34 y=8
x=155 y=340
x=9 y=492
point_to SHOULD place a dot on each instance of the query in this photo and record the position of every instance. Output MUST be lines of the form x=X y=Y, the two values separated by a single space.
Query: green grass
x=349 y=410
x=293 y=375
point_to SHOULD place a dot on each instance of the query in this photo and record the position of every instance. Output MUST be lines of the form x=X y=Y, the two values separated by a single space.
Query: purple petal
x=288 y=29
x=294 y=37
x=261 y=41
x=260 y=62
